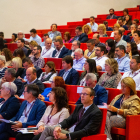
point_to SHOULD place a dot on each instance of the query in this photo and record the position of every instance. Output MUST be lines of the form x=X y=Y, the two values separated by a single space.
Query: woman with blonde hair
x=32 y=44
x=86 y=29
x=102 y=30
x=115 y=28
x=127 y=103
x=17 y=65
x=112 y=77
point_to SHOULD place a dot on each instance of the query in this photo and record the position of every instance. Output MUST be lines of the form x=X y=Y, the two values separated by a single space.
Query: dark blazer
x=72 y=78
x=62 y=54
x=19 y=72
x=39 y=71
x=20 y=86
x=83 y=38
x=114 y=17
x=10 y=108
x=39 y=84
x=101 y=96
x=35 y=115
x=126 y=38
x=109 y=29
x=125 y=27
x=69 y=53
x=88 y=125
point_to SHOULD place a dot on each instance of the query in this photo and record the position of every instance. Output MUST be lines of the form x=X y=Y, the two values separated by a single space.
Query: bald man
x=47 y=50
x=31 y=77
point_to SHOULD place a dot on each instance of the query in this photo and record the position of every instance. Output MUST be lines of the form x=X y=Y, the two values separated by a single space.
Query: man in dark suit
x=111 y=16
x=101 y=95
x=125 y=37
x=26 y=64
x=69 y=74
x=107 y=28
x=82 y=37
x=121 y=22
x=85 y=120
x=29 y=113
x=60 y=50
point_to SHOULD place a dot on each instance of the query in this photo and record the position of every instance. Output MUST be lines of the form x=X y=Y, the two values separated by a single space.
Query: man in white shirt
x=92 y=24
x=79 y=60
x=47 y=50
x=122 y=59
x=100 y=58
x=134 y=72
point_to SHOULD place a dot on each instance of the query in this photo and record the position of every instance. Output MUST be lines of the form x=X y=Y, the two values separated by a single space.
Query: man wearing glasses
x=84 y=121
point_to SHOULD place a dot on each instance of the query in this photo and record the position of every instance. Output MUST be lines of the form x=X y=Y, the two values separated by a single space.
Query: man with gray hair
x=10 y=76
x=101 y=95
x=2 y=66
x=75 y=45
x=79 y=60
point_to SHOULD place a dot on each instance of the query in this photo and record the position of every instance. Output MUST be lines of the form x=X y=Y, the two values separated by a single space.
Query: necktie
x=80 y=115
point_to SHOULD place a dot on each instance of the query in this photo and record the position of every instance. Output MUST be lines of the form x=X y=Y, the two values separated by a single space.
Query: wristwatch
x=67 y=135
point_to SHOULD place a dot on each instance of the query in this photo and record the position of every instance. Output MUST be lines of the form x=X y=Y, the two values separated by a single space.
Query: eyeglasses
x=24 y=91
x=84 y=94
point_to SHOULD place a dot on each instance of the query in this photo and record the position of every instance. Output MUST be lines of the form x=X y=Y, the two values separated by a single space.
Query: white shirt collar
x=31 y=82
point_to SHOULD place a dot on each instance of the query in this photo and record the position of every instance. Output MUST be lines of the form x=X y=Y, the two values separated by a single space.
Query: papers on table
x=7 y=121
x=27 y=130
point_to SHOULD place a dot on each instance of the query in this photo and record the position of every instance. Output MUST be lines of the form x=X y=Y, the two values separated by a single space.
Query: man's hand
x=3 y=80
x=62 y=136
x=17 y=96
x=91 y=23
x=40 y=130
x=56 y=131
x=16 y=126
x=21 y=79
x=41 y=97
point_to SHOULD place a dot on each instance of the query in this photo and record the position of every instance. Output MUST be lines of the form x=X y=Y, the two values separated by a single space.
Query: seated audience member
x=2 y=46
x=60 y=50
x=32 y=44
x=110 y=47
x=138 y=28
x=19 y=53
x=31 y=77
x=90 y=51
x=92 y=24
x=136 y=22
x=124 y=37
x=79 y=60
x=90 y=67
x=55 y=39
x=8 y=55
x=133 y=28
x=69 y=74
x=34 y=36
x=28 y=63
x=45 y=36
x=14 y=37
x=17 y=65
x=47 y=49
x=106 y=25
x=100 y=57
x=86 y=29
x=125 y=13
x=9 y=103
x=52 y=34
x=80 y=36
x=53 y=115
x=10 y=76
x=134 y=72
x=49 y=74
x=75 y=45
x=111 y=77
x=128 y=21
x=57 y=81
x=111 y=14
x=118 y=39
x=102 y=30
x=84 y=125
x=122 y=59
x=2 y=66
x=136 y=37
x=115 y=28
x=67 y=37
x=20 y=35
x=29 y=114
x=37 y=60
x=121 y=23
x=96 y=37
x=2 y=36
x=127 y=103
x=101 y=95
x=20 y=44
x=132 y=49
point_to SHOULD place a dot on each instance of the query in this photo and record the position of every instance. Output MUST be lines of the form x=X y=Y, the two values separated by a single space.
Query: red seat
x=27 y=35
x=100 y=135
x=72 y=108
x=57 y=61
x=8 y=40
x=100 y=73
x=83 y=46
x=11 y=46
x=104 y=39
x=108 y=33
x=68 y=45
x=46 y=85
x=126 y=32
x=111 y=22
x=80 y=72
